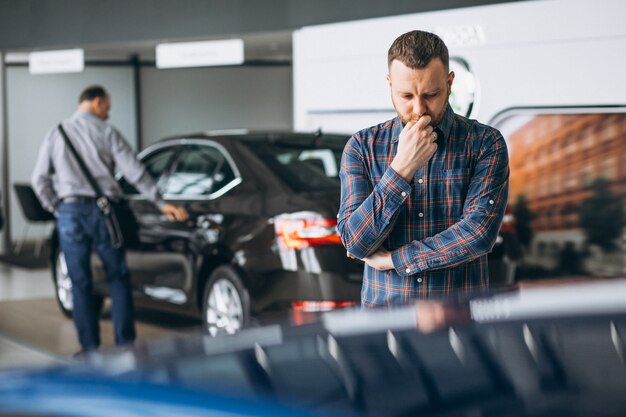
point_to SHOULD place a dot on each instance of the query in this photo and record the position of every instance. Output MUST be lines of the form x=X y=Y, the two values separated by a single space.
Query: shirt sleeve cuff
x=394 y=186
x=409 y=260
x=403 y=261
x=159 y=203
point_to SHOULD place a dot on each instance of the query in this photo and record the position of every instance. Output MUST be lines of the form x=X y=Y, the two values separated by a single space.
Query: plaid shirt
x=440 y=227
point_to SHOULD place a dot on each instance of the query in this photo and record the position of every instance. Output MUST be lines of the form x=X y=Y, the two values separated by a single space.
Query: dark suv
x=261 y=233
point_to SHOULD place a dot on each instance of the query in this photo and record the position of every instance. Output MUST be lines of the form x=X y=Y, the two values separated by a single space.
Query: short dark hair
x=417 y=48
x=92 y=92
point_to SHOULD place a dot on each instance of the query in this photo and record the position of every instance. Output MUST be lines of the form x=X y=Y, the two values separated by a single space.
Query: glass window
x=198 y=171
x=609 y=168
x=223 y=176
x=304 y=164
x=158 y=161
x=565 y=212
x=155 y=164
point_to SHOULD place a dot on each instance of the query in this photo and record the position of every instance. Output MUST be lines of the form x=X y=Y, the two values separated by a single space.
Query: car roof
x=317 y=138
x=259 y=135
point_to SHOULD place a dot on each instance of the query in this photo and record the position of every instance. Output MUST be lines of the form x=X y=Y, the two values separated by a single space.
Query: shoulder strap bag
x=118 y=217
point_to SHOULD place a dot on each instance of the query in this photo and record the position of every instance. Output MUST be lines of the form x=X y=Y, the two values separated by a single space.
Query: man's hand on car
x=175 y=213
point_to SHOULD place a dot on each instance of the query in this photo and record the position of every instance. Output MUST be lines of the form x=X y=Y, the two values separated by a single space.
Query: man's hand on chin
x=380 y=260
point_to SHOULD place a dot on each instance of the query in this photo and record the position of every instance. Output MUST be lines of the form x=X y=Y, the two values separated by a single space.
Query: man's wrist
x=405 y=172
x=390 y=264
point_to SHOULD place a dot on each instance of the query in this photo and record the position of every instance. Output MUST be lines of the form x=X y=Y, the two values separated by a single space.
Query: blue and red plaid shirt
x=439 y=227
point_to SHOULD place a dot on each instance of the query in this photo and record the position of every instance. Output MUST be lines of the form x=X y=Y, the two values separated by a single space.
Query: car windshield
x=304 y=163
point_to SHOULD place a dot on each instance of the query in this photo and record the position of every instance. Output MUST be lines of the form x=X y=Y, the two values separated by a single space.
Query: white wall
x=199 y=99
x=2 y=143
x=37 y=103
x=538 y=53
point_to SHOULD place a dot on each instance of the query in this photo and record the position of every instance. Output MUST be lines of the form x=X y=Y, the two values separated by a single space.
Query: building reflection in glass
x=568 y=191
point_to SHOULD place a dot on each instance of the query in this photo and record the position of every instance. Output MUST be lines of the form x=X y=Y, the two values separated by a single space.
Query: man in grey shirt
x=63 y=189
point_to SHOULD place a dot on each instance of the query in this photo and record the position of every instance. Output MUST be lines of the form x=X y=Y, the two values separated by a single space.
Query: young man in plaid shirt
x=423 y=194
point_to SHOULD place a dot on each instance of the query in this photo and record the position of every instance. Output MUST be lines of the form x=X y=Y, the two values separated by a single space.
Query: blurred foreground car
x=261 y=233
x=545 y=351
x=72 y=392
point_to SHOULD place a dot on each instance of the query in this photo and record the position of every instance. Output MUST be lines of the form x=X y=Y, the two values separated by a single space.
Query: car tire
x=225 y=302
x=63 y=288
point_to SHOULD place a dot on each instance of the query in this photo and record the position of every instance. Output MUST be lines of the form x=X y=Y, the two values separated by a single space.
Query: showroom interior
x=299 y=71
x=119 y=40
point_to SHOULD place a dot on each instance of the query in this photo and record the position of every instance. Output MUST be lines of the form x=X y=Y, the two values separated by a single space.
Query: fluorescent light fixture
x=199 y=54
x=54 y=62
x=16 y=58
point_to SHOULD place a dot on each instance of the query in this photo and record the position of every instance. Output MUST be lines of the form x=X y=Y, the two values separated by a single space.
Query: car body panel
x=75 y=391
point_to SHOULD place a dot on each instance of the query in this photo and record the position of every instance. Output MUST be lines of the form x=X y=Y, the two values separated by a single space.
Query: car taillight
x=305 y=312
x=319 y=306
x=301 y=233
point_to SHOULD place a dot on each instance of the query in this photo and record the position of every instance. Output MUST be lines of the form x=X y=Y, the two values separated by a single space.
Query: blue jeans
x=80 y=227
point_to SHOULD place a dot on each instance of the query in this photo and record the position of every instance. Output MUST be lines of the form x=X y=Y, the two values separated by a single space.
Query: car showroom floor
x=33 y=331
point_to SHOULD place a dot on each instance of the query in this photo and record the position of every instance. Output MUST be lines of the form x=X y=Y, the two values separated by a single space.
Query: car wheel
x=226 y=302
x=63 y=287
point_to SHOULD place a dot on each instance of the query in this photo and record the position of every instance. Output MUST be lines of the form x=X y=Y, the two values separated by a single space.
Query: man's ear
x=450 y=80
x=389 y=80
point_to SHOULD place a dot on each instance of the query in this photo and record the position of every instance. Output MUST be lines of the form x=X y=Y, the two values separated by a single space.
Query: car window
x=155 y=164
x=322 y=158
x=302 y=166
x=198 y=171
x=223 y=175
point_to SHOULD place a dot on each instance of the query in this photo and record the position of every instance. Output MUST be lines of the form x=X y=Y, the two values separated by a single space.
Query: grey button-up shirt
x=57 y=174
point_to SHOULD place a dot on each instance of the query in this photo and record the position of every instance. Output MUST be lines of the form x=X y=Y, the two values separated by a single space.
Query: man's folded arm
x=367 y=215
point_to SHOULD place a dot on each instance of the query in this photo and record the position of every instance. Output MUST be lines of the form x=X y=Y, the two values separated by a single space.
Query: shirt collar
x=397 y=129
x=84 y=114
x=443 y=128
x=445 y=125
